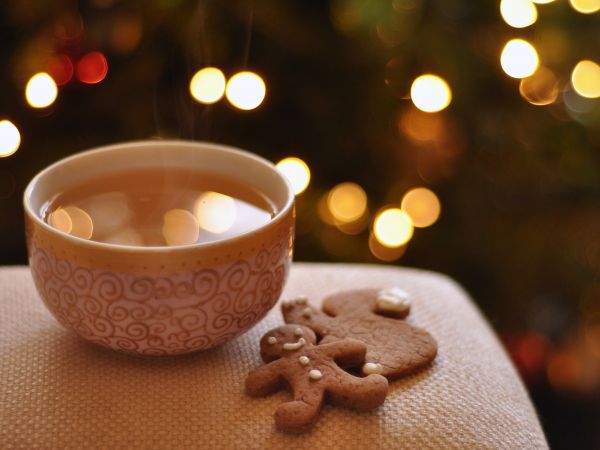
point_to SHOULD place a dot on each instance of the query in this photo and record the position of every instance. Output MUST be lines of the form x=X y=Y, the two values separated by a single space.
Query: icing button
x=304 y=360
x=298 y=331
x=307 y=313
x=272 y=340
x=315 y=374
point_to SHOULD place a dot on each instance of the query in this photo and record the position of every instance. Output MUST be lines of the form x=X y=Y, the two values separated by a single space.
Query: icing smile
x=294 y=345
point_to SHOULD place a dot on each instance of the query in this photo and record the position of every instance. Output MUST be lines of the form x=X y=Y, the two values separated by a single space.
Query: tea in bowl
x=160 y=247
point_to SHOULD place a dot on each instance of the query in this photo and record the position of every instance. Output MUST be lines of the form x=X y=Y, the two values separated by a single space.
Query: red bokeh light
x=92 y=68
x=60 y=69
x=529 y=353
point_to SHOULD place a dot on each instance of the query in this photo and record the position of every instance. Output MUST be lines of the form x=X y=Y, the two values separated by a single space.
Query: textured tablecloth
x=58 y=392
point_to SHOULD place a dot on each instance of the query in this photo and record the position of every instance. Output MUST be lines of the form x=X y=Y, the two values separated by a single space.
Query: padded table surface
x=58 y=392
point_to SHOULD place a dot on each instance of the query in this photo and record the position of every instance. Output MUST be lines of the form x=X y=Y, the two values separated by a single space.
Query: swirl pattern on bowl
x=161 y=314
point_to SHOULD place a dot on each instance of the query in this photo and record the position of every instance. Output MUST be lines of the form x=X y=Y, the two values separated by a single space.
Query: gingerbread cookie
x=394 y=347
x=314 y=374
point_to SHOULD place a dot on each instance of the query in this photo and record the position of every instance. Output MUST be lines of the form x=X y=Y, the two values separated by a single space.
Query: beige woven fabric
x=57 y=392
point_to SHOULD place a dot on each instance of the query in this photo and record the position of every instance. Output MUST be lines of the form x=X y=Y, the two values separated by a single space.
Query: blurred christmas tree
x=452 y=135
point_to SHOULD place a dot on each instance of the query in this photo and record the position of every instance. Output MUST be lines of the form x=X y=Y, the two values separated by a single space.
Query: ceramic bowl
x=160 y=300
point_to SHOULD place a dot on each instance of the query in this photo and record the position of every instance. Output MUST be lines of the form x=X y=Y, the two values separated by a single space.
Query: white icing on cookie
x=294 y=345
x=393 y=300
x=301 y=300
x=307 y=313
x=298 y=331
x=315 y=374
x=304 y=360
x=370 y=368
x=272 y=340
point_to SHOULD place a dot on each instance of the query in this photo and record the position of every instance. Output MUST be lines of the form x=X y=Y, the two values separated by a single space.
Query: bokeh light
x=422 y=205
x=72 y=220
x=10 y=138
x=297 y=173
x=592 y=338
x=208 y=85
x=585 y=79
x=60 y=68
x=420 y=126
x=564 y=370
x=542 y=2
x=246 y=90
x=430 y=93
x=180 y=227
x=41 y=90
x=347 y=202
x=215 y=212
x=519 y=59
x=92 y=68
x=383 y=252
x=585 y=6
x=541 y=88
x=518 y=13
x=61 y=220
x=393 y=227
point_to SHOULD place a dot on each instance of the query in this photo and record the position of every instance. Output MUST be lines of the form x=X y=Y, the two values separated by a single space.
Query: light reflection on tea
x=158 y=207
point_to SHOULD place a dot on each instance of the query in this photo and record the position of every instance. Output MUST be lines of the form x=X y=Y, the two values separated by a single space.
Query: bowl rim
x=279 y=216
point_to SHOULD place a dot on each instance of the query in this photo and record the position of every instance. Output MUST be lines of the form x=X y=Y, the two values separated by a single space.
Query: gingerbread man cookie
x=314 y=374
x=394 y=347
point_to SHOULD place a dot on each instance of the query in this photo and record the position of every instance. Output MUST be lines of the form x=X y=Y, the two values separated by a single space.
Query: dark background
x=519 y=184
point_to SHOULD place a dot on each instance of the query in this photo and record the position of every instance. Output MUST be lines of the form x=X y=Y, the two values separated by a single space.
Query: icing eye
x=272 y=340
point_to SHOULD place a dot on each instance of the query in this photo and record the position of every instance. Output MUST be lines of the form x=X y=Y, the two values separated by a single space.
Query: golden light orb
x=585 y=79
x=384 y=253
x=519 y=59
x=541 y=88
x=180 y=227
x=61 y=220
x=518 y=13
x=208 y=85
x=246 y=90
x=430 y=93
x=10 y=138
x=215 y=212
x=347 y=202
x=81 y=222
x=393 y=227
x=41 y=90
x=585 y=6
x=422 y=205
x=297 y=173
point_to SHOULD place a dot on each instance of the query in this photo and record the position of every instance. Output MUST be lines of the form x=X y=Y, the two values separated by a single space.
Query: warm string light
x=430 y=93
x=347 y=202
x=519 y=59
x=518 y=13
x=422 y=206
x=585 y=6
x=246 y=90
x=41 y=90
x=208 y=85
x=297 y=173
x=393 y=227
x=585 y=79
x=10 y=138
x=92 y=68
